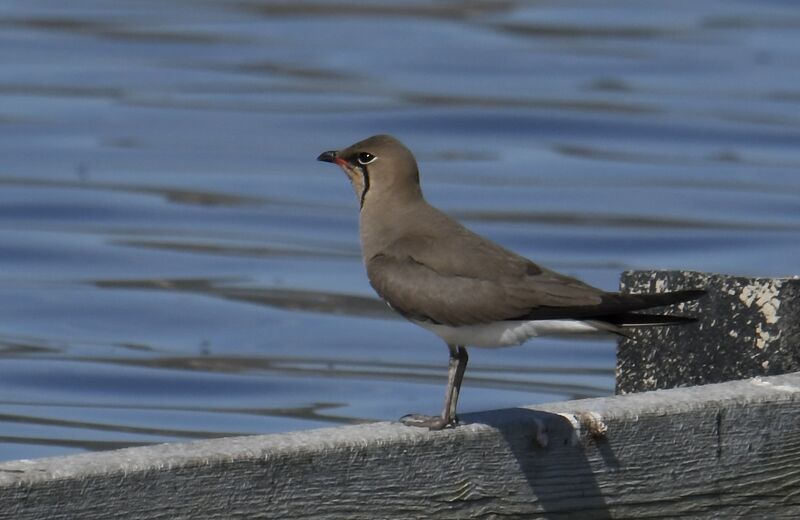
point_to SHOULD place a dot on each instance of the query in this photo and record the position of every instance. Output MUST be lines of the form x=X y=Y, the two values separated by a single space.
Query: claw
x=448 y=418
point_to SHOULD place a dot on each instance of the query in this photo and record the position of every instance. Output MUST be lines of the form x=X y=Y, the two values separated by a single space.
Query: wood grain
x=728 y=450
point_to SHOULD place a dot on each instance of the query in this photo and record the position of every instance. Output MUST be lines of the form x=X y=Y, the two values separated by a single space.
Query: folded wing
x=426 y=281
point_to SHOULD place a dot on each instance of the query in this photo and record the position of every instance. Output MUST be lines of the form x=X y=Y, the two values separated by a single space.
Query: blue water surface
x=174 y=263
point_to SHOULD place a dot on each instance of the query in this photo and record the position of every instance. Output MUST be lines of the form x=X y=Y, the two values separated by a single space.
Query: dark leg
x=455 y=374
x=454 y=379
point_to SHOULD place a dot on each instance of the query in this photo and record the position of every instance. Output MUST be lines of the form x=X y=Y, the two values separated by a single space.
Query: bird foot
x=431 y=422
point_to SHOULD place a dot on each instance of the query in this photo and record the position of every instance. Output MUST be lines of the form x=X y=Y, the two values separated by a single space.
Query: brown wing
x=442 y=272
x=461 y=279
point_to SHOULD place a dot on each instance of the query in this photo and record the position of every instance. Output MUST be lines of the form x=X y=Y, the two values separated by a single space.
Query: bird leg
x=454 y=381
x=455 y=374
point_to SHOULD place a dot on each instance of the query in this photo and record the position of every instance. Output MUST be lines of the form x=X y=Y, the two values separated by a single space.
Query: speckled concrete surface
x=747 y=327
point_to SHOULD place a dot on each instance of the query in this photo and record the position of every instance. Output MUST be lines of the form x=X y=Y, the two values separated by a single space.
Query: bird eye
x=365 y=158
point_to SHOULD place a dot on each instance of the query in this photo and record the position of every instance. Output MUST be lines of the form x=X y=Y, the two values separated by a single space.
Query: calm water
x=174 y=264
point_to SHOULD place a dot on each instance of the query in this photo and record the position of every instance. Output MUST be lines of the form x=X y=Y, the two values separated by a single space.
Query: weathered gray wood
x=748 y=327
x=729 y=450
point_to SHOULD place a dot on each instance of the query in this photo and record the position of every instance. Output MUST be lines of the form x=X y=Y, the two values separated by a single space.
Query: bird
x=463 y=287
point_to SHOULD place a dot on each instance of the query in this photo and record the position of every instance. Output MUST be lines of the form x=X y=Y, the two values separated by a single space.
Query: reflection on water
x=176 y=195
x=291 y=299
x=174 y=264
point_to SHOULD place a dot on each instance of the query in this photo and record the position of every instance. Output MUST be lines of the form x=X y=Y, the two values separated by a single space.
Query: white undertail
x=510 y=333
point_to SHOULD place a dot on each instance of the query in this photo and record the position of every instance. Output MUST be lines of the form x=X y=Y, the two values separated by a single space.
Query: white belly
x=508 y=333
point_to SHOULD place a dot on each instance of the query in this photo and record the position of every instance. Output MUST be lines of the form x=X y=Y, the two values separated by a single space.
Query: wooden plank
x=727 y=450
x=748 y=327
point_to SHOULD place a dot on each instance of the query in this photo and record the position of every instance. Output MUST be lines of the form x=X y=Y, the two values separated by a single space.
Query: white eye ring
x=365 y=158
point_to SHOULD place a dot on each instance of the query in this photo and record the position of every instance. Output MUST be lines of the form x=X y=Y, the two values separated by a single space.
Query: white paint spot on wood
x=576 y=427
x=784 y=388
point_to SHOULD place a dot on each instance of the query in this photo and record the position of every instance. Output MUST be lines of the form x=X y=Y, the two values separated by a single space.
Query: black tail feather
x=632 y=302
x=631 y=319
x=616 y=306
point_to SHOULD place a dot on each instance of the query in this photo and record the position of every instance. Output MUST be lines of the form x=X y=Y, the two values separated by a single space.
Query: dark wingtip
x=632 y=319
x=688 y=295
x=329 y=156
x=649 y=300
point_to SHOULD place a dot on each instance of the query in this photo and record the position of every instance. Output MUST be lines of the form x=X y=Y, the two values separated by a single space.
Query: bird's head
x=380 y=168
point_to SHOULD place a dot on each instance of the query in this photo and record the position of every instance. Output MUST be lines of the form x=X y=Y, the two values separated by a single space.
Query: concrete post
x=747 y=327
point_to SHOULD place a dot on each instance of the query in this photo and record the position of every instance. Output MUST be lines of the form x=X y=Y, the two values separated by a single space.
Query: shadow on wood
x=550 y=451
